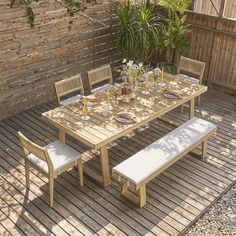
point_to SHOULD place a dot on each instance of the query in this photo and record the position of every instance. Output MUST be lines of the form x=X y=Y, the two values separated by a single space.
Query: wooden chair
x=99 y=75
x=68 y=86
x=50 y=160
x=191 y=70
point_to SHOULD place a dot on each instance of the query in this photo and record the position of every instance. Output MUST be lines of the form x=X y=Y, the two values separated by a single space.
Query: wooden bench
x=135 y=172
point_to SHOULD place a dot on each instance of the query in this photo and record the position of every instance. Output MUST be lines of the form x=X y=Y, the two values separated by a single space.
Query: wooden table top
x=100 y=130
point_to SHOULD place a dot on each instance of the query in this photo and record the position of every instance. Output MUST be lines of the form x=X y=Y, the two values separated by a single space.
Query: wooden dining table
x=103 y=127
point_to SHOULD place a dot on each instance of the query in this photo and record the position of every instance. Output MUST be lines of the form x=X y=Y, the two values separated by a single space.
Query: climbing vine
x=73 y=7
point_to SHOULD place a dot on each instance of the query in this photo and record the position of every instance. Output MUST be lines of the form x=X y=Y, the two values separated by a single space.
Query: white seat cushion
x=60 y=154
x=188 y=78
x=155 y=156
x=70 y=100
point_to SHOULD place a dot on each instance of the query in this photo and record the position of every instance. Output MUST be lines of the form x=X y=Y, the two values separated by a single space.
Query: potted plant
x=150 y=26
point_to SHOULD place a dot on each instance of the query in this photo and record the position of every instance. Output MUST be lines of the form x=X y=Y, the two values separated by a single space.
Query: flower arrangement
x=132 y=72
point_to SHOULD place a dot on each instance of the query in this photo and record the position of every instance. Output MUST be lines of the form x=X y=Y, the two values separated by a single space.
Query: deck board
x=175 y=199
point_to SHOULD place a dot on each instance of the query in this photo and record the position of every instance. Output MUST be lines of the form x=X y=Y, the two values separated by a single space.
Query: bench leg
x=127 y=194
x=142 y=196
x=139 y=200
x=204 y=148
x=124 y=188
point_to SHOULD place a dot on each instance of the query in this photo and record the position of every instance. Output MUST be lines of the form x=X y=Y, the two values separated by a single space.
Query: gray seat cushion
x=60 y=154
x=70 y=100
x=155 y=156
x=101 y=88
x=188 y=78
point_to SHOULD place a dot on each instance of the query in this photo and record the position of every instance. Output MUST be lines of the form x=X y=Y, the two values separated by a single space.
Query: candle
x=108 y=96
x=162 y=74
x=85 y=106
x=146 y=86
x=120 y=91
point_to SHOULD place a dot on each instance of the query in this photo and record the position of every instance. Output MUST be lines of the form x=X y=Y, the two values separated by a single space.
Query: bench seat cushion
x=155 y=156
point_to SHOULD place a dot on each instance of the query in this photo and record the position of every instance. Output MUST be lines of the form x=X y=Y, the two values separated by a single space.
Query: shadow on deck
x=175 y=199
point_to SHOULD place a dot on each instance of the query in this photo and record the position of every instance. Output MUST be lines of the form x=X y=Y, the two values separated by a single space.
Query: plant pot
x=168 y=67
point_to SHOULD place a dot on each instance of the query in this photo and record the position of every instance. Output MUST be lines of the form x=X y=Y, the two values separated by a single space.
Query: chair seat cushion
x=60 y=154
x=189 y=78
x=157 y=155
x=70 y=100
x=101 y=88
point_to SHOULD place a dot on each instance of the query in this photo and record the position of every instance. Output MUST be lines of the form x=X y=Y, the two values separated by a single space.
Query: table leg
x=103 y=179
x=191 y=108
x=105 y=165
x=62 y=136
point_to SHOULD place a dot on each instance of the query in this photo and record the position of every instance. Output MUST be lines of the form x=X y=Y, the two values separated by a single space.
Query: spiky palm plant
x=138 y=32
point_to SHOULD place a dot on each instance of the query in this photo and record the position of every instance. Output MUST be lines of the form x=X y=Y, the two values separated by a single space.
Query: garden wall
x=31 y=60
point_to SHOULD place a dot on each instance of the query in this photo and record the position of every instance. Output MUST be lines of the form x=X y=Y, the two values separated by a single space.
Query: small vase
x=133 y=85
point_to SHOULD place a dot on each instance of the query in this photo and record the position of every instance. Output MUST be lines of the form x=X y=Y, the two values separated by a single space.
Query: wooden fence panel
x=31 y=60
x=206 y=7
x=230 y=9
x=213 y=40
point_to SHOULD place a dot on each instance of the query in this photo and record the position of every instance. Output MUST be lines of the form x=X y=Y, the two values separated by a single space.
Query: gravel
x=219 y=220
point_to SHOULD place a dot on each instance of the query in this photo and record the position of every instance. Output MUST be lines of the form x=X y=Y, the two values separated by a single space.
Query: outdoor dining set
x=113 y=110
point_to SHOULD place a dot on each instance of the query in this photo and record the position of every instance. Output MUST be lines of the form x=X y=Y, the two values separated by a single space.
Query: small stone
x=219 y=220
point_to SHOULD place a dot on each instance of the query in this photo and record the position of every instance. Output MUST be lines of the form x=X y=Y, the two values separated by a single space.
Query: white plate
x=145 y=92
x=88 y=102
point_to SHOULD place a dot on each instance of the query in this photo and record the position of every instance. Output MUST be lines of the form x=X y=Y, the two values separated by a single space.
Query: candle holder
x=85 y=115
x=146 y=92
x=110 y=107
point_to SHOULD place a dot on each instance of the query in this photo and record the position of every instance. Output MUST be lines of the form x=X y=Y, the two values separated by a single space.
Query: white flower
x=140 y=64
x=124 y=60
x=130 y=63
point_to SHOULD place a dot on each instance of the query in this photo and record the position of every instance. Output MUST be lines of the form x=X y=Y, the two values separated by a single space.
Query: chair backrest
x=99 y=75
x=193 y=67
x=67 y=86
x=31 y=147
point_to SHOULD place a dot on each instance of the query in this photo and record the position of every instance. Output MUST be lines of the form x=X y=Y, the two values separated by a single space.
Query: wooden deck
x=175 y=199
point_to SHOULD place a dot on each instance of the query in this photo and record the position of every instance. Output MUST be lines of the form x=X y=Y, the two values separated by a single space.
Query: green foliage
x=175 y=5
x=27 y=4
x=176 y=27
x=174 y=35
x=126 y=31
x=147 y=26
x=72 y=6
x=138 y=32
